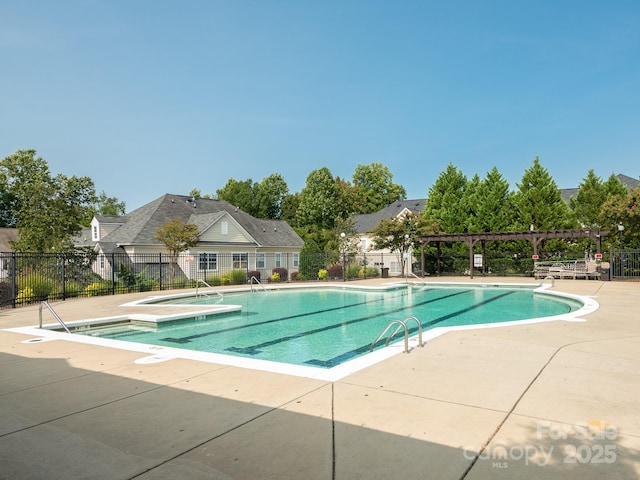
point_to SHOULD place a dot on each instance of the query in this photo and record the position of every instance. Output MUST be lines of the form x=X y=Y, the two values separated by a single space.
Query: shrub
x=179 y=282
x=39 y=286
x=5 y=293
x=25 y=295
x=353 y=271
x=335 y=271
x=368 y=272
x=233 y=277
x=72 y=288
x=96 y=289
x=282 y=272
x=214 y=280
x=147 y=285
x=294 y=276
x=322 y=274
x=371 y=272
x=253 y=273
x=237 y=276
x=275 y=277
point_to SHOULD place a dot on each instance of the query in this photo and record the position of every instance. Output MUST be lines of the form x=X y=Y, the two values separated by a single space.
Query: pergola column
x=471 y=242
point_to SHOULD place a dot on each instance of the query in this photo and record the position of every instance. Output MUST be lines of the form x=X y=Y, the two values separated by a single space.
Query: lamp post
x=405 y=253
x=342 y=247
x=622 y=259
x=620 y=230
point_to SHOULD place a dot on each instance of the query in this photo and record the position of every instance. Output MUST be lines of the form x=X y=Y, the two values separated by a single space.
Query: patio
x=555 y=400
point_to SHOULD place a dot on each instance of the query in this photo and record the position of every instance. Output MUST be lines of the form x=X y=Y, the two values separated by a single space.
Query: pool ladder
x=399 y=324
x=44 y=303
x=198 y=281
x=258 y=282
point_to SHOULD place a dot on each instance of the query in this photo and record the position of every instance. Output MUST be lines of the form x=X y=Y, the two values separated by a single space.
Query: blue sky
x=149 y=97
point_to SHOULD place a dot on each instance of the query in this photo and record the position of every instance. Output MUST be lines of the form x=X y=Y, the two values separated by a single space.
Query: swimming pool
x=324 y=328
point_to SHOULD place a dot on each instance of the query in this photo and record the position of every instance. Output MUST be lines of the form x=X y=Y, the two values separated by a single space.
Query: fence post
x=14 y=280
x=160 y=268
x=113 y=273
x=63 y=260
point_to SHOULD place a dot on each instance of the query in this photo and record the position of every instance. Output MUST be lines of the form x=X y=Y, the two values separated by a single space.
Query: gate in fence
x=625 y=264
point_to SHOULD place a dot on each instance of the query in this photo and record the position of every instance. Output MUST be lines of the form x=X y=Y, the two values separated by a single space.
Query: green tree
x=47 y=210
x=178 y=237
x=196 y=193
x=491 y=204
x=446 y=203
x=238 y=193
x=471 y=202
x=344 y=237
x=289 y=208
x=614 y=187
x=375 y=187
x=587 y=203
x=400 y=235
x=623 y=211
x=348 y=199
x=270 y=194
x=104 y=205
x=318 y=207
x=538 y=202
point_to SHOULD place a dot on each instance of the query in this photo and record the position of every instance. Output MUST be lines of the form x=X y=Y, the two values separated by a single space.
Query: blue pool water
x=326 y=327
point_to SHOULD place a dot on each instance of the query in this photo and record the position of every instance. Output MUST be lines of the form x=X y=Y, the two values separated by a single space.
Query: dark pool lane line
x=255 y=349
x=187 y=339
x=332 y=362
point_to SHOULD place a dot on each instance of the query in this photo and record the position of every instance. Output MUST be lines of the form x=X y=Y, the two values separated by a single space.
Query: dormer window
x=95 y=233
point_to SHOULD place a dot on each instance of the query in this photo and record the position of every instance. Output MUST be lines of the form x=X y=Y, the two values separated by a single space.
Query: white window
x=224 y=228
x=261 y=261
x=296 y=260
x=278 y=260
x=241 y=260
x=95 y=234
x=363 y=245
x=208 y=261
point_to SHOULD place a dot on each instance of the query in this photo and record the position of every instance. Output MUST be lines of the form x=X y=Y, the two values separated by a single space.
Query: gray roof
x=140 y=226
x=629 y=182
x=7 y=235
x=367 y=222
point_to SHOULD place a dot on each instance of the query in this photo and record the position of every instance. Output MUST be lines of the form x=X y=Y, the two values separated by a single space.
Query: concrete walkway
x=556 y=400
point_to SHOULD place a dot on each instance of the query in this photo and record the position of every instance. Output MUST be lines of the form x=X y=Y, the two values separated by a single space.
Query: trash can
x=385 y=272
x=605 y=274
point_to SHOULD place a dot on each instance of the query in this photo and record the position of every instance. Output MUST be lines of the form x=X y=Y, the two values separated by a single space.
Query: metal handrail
x=420 y=343
x=258 y=282
x=46 y=304
x=400 y=324
x=419 y=278
x=202 y=281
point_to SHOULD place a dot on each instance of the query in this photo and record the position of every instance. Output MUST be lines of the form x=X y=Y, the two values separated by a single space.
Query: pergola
x=533 y=236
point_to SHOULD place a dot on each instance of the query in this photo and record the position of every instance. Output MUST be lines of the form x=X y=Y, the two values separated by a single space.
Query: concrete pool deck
x=554 y=400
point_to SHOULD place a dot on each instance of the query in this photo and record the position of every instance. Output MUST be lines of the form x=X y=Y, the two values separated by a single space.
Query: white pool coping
x=154 y=354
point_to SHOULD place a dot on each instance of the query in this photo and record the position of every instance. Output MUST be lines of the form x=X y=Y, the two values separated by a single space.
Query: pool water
x=326 y=327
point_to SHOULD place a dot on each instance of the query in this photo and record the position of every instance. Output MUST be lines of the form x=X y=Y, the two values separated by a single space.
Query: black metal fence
x=625 y=264
x=27 y=278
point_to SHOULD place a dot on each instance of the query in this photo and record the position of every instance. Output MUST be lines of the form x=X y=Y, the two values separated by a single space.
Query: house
x=7 y=236
x=366 y=223
x=228 y=239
